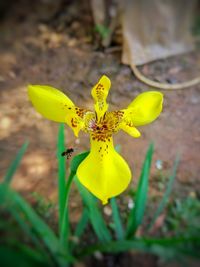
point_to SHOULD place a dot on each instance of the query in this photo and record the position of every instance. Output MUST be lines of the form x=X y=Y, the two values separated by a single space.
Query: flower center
x=102 y=129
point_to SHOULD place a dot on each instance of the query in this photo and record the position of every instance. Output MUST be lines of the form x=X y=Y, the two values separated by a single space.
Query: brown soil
x=34 y=50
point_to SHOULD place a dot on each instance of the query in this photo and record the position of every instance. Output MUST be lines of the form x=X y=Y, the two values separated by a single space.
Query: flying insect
x=68 y=152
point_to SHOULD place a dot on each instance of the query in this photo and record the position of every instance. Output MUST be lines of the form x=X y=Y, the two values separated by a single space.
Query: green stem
x=65 y=225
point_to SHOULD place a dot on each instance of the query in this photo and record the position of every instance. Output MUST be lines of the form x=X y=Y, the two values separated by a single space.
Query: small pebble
x=77 y=141
x=2 y=79
x=159 y=164
x=12 y=74
x=171 y=80
x=130 y=204
x=5 y=123
x=192 y=194
x=98 y=255
x=107 y=210
x=194 y=99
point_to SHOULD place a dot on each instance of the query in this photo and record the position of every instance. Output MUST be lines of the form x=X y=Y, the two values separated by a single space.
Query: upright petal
x=104 y=172
x=144 y=109
x=100 y=93
x=55 y=105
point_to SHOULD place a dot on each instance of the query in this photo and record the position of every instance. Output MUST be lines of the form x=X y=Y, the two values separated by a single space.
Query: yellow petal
x=130 y=130
x=100 y=93
x=55 y=105
x=104 y=172
x=145 y=108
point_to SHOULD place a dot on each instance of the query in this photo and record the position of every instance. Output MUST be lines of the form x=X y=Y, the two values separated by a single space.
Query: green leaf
x=43 y=231
x=65 y=226
x=80 y=227
x=26 y=228
x=15 y=164
x=22 y=257
x=96 y=219
x=102 y=30
x=137 y=213
x=117 y=220
x=169 y=246
x=61 y=175
x=76 y=161
x=82 y=223
x=167 y=193
x=64 y=187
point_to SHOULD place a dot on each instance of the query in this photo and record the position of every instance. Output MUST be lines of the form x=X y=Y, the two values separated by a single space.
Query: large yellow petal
x=104 y=172
x=55 y=105
x=145 y=108
x=100 y=93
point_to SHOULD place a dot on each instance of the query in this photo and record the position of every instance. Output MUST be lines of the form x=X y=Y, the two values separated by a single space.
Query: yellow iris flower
x=103 y=172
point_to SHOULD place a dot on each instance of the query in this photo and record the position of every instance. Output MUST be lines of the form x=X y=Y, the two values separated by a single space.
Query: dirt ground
x=34 y=50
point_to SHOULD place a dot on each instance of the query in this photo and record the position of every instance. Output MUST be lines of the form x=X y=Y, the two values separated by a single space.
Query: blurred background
x=69 y=45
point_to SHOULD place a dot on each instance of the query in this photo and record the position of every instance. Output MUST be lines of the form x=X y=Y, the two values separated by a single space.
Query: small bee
x=68 y=152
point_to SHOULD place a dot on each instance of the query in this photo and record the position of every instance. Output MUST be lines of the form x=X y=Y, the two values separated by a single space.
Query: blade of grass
x=96 y=219
x=61 y=175
x=83 y=222
x=44 y=232
x=21 y=256
x=76 y=161
x=137 y=213
x=24 y=226
x=65 y=224
x=117 y=220
x=15 y=164
x=169 y=245
x=167 y=193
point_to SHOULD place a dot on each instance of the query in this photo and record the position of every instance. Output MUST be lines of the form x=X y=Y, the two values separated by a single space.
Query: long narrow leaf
x=65 y=226
x=117 y=220
x=41 y=228
x=24 y=226
x=15 y=164
x=80 y=227
x=21 y=256
x=82 y=223
x=136 y=215
x=167 y=193
x=76 y=161
x=171 y=246
x=61 y=174
x=95 y=216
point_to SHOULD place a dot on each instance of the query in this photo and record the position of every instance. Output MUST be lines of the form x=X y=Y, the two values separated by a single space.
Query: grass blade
x=65 y=226
x=83 y=222
x=21 y=256
x=61 y=174
x=25 y=227
x=43 y=231
x=167 y=193
x=76 y=161
x=15 y=164
x=137 y=213
x=117 y=220
x=64 y=187
x=96 y=219
x=170 y=246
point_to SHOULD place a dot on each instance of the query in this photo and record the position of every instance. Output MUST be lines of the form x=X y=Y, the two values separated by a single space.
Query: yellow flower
x=103 y=172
